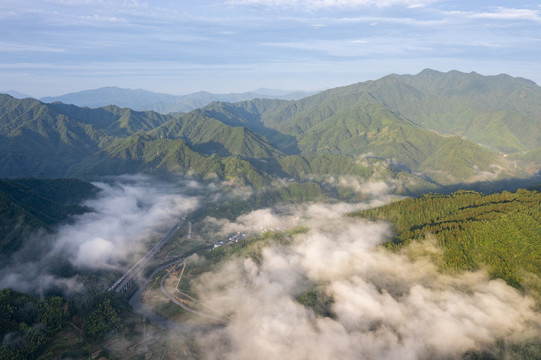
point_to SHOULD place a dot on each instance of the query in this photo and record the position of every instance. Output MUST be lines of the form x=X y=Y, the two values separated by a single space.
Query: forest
x=28 y=324
x=500 y=232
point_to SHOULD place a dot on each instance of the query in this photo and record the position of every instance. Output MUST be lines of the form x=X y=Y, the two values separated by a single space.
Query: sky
x=53 y=47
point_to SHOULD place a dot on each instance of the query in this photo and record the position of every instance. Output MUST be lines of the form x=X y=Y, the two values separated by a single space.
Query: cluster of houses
x=232 y=239
x=241 y=235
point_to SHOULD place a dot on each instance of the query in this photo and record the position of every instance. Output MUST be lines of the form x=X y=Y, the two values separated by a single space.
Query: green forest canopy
x=500 y=232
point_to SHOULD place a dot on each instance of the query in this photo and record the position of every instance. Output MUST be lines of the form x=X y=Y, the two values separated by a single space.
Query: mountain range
x=143 y=100
x=434 y=128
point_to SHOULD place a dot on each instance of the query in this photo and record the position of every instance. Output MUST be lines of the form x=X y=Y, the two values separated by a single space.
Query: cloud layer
x=335 y=3
x=386 y=306
x=164 y=45
x=126 y=214
x=129 y=214
x=306 y=214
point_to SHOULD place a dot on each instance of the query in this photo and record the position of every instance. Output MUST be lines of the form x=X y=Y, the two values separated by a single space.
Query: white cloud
x=125 y=214
x=386 y=305
x=509 y=14
x=500 y=13
x=374 y=20
x=286 y=217
x=11 y=47
x=129 y=214
x=333 y=3
x=342 y=48
x=75 y=2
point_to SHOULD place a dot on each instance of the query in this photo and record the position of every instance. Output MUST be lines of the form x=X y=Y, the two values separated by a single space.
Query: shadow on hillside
x=211 y=147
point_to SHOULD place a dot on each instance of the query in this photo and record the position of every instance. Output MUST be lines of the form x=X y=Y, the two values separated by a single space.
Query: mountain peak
x=16 y=94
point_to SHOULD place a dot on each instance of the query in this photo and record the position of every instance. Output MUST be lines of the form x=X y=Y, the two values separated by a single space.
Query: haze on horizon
x=54 y=47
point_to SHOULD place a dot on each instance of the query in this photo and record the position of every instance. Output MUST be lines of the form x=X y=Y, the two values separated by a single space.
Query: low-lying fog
x=386 y=305
x=129 y=211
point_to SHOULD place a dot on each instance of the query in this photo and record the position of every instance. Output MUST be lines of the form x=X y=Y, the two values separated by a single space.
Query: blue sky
x=51 y=47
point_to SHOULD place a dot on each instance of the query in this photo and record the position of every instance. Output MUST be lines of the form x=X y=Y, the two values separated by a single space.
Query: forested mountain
x=36 y=140
x=45 y=140
x=142 y=100
x=55 y=140
x=30 y=204
x=500 y=112
x=29 y=324
x=426 y=124
x=117 y=121
x=208 y=134
x=500 y=232
x=142 y=153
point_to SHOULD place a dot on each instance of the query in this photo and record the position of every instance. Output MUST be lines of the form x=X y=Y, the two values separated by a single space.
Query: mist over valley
x=393 y=218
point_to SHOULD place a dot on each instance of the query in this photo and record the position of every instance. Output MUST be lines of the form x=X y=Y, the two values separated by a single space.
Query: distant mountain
x=134 y=99
x=283 y=94
x=143 y=100
x=16 y=94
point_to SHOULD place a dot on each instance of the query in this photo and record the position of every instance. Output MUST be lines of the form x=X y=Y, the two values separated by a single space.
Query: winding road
x=184 y=306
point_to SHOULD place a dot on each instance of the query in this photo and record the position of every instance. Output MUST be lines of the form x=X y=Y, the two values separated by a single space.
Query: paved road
x=135 y=272
x=187 y=308
x=146 y=311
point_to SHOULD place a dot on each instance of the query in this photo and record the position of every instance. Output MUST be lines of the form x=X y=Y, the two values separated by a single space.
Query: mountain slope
x=500 y=112
x=249 y=114
x=37 y=141
x=209 y=135
x=117 y=121
x=205 y=134
x=142 y=153
x=345 y=122
x=500 y=232
x=29 y=204
x=52 y=140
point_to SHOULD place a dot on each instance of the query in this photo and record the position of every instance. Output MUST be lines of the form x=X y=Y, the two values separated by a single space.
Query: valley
x=398 y=217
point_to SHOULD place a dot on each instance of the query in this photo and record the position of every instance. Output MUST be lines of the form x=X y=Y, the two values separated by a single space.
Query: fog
x=129 y=214
x=386 y=305
x=287 y=216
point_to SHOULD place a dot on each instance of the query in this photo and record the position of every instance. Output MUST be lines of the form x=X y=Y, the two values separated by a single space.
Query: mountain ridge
x=421 y=124
x=144 y=100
